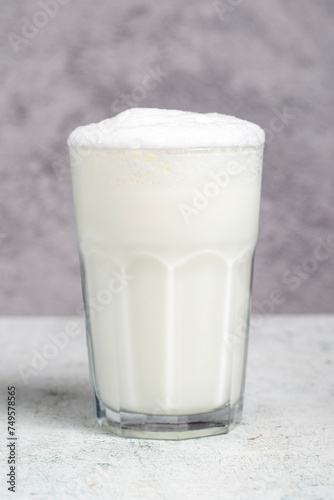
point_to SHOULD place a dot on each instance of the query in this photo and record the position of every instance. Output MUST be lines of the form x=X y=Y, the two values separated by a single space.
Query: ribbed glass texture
x=167 y=241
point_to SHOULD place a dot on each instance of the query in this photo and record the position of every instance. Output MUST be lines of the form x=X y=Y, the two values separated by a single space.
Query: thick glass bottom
x=169 y=427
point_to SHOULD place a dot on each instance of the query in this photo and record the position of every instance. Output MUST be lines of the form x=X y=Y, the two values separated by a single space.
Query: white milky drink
x=167 y=208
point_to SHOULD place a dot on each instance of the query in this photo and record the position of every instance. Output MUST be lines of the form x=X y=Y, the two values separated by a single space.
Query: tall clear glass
x=167 y=240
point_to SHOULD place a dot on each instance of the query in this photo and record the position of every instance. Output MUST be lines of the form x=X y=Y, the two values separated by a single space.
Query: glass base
x=171 y=427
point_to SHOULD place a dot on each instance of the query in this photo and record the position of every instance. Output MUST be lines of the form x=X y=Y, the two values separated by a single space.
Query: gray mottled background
x=250 y=58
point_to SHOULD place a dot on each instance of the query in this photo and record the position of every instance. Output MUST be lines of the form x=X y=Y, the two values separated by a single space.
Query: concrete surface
x=282 y=451
x=253 y=59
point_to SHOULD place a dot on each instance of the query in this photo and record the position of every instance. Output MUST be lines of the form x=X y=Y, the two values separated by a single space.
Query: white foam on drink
x=151 y=128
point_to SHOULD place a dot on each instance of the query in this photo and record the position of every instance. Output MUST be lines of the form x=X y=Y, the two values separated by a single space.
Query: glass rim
x=190 y=150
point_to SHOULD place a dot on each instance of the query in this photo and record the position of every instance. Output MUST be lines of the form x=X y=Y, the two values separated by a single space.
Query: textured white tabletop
x=283 y=450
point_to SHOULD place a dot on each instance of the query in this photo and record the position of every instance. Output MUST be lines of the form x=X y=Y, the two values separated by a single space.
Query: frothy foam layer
x=105 y=169
x=151 y=128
